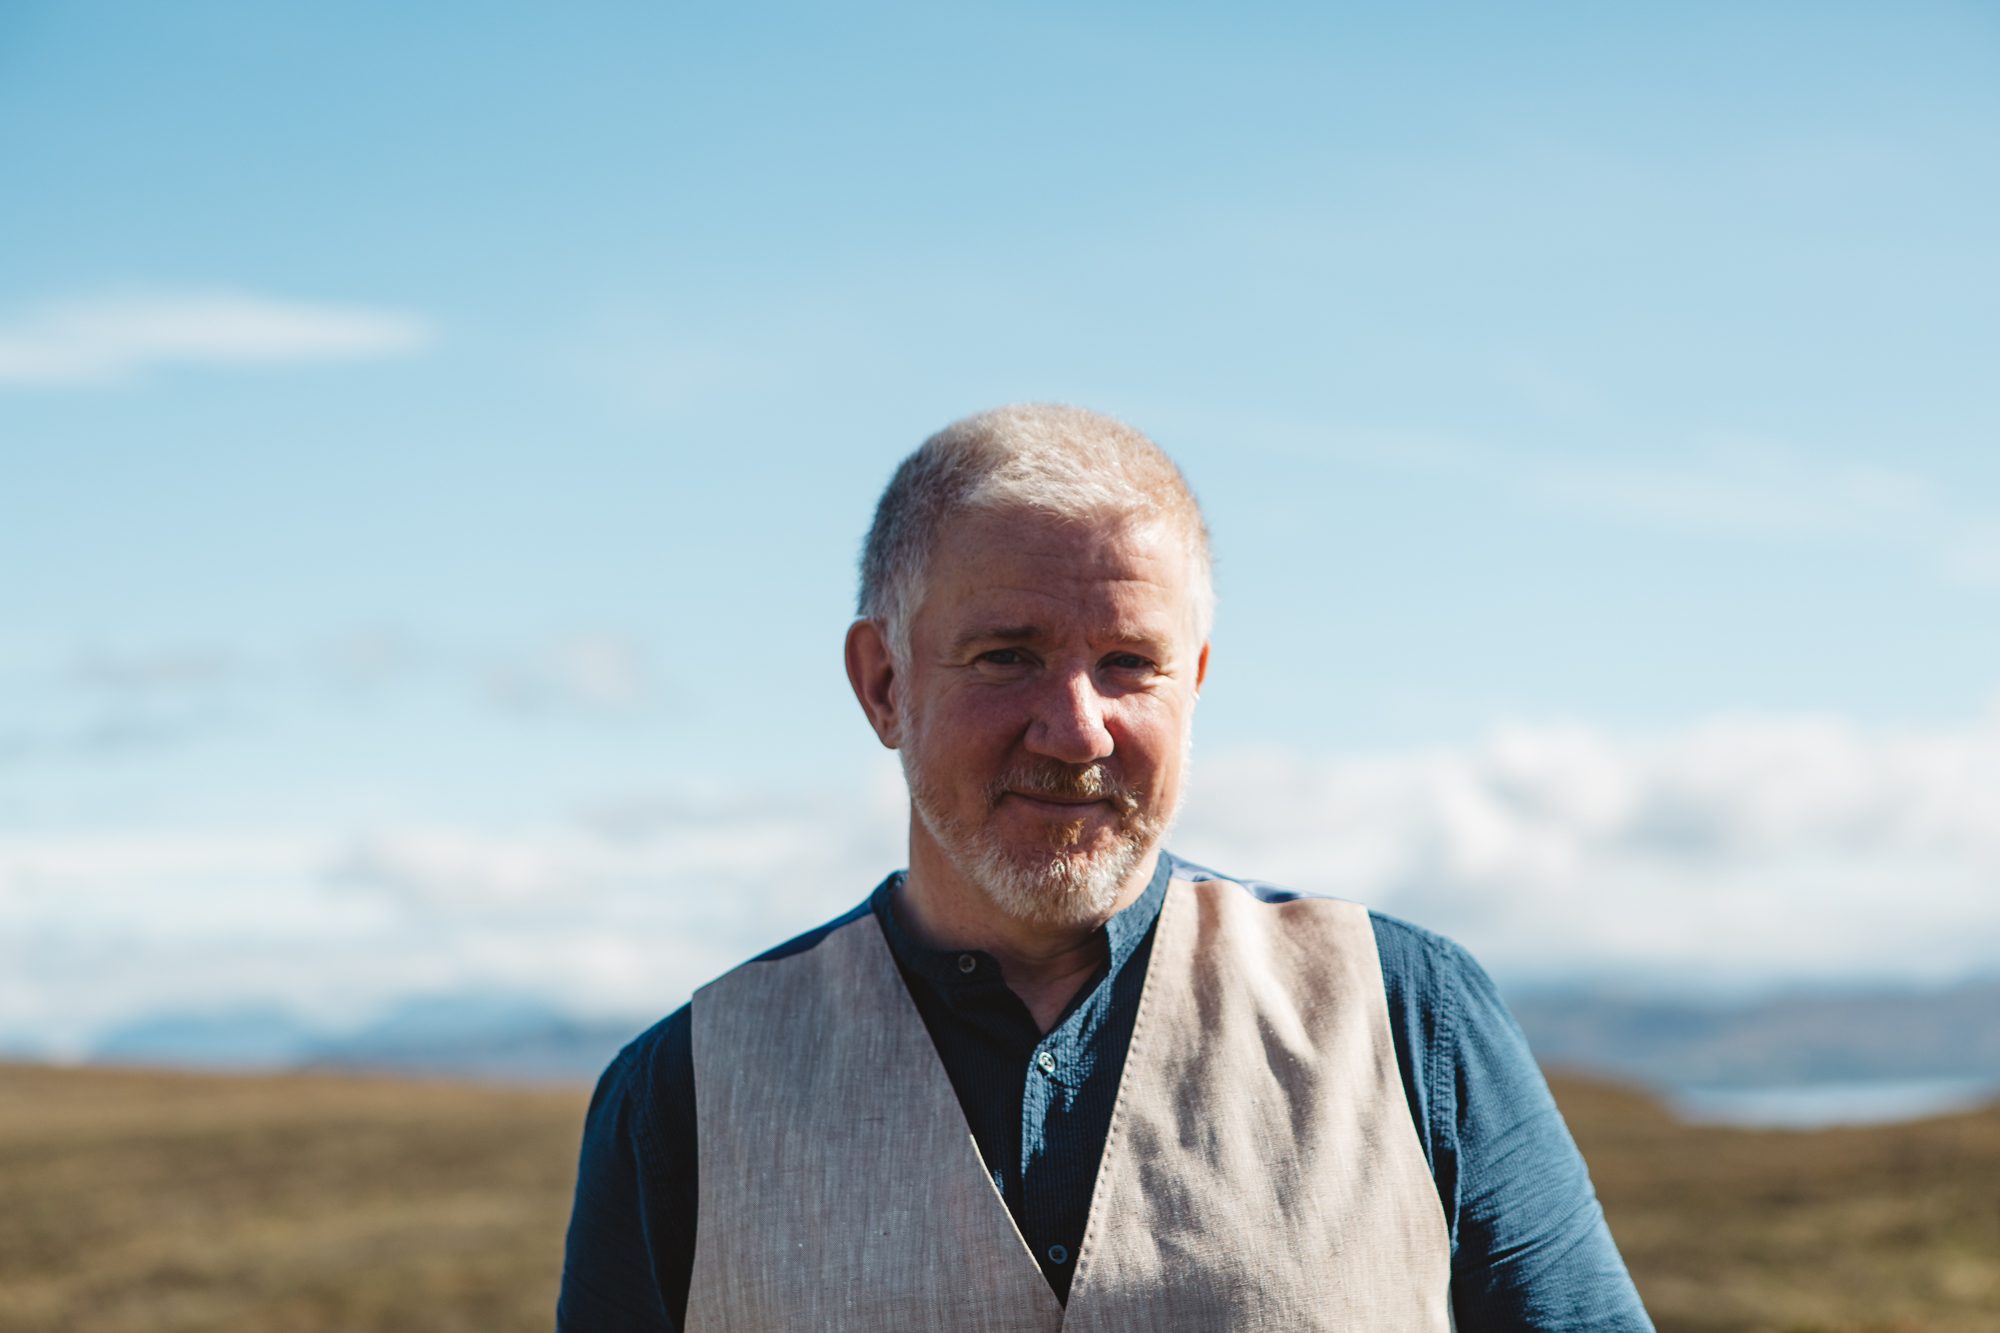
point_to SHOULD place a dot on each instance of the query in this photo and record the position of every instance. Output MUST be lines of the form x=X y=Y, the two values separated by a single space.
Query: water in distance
x=1820 y=1105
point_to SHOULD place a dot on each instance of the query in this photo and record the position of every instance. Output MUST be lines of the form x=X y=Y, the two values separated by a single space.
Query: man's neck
x=1044 y=965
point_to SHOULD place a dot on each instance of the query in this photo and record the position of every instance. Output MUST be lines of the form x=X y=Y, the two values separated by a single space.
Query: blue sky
x=429 y=440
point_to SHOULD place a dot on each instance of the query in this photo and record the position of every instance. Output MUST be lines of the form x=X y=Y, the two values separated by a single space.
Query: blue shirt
x=1530 y=1248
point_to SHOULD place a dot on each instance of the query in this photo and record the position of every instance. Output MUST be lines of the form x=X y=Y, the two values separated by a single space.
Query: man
x=1052 y=1077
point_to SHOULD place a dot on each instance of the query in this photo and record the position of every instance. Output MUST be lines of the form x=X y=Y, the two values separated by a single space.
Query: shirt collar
x=950 y=967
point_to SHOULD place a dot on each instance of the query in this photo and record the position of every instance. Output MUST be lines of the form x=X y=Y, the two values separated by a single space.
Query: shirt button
x=1058 y=1254
x=967 y=964
x=1047 y=1064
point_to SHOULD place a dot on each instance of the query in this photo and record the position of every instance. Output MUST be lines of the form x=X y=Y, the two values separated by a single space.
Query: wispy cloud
x=99 y=700
x=594 y=671
x=1721 y=483
x=159 y=671
x=108 y=339
x=1746 y=485
x=1765 y=488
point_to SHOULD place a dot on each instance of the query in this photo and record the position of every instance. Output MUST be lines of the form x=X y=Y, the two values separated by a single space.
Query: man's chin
x=1054 y=878
x=1057 y=887
x=1030 y=828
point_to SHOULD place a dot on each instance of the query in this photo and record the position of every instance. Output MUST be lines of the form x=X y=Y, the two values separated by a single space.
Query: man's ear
x=1201 y=669
x=871 y=670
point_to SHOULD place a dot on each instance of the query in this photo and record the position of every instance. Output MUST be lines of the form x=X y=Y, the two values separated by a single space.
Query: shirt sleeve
x=631 y=1231
x=1530 y=1247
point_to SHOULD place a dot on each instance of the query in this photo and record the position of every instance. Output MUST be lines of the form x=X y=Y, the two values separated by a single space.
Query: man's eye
x=1128 y=662
x=1005 y=657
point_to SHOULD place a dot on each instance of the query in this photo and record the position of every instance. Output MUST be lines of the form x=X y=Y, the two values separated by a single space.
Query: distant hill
x=1787 y=1039
x=1831 y=1036
x=245 y=1037
x=499 y=1036
x=510 y=1039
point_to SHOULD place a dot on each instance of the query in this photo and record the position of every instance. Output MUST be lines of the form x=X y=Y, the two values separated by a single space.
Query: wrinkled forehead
x=1117 y=572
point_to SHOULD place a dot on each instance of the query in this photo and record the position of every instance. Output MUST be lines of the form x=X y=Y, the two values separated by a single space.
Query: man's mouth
x=1057 y=798
x=1060 y=789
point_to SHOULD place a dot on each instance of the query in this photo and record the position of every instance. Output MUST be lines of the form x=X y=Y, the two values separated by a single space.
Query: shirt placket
x=1054 y=1075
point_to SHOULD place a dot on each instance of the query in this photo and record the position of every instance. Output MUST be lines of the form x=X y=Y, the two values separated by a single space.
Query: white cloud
x=623 y=911
x=1745 y=850
x=98 y=340
x=1742 y=852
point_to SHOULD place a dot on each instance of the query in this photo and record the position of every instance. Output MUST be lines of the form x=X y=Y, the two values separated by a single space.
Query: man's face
x=1046 y=708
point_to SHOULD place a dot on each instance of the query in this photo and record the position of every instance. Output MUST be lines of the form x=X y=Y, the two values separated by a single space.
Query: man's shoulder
x=808 y=940
x=650 y=1068
x=797 y=946
x=1413 y=957
x=657 y=1061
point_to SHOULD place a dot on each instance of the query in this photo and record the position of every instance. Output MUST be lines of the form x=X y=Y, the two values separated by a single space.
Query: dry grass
x=306 y=1204
x=1893 y=1227
x=167 y=1202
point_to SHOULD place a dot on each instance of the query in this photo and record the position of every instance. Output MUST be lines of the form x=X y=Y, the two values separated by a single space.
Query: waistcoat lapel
x=1262 y=1170
x=840 y=1188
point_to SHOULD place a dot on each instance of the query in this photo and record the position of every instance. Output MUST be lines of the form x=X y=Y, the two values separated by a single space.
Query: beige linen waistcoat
x=1261 y=1171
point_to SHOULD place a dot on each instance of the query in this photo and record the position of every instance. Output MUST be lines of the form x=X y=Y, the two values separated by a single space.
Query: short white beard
x=1053 y=886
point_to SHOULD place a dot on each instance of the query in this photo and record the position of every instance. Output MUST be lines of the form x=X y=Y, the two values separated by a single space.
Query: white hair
x=1050 y=459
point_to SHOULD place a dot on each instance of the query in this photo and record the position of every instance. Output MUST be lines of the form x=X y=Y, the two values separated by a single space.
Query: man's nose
x=1069 y=721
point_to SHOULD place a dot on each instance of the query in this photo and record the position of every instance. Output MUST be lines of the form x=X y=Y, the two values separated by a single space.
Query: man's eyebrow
x=996 y=634
x=1143 y=636
x=1151 y=635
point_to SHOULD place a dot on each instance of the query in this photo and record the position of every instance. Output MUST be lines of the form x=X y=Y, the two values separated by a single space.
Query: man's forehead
x=999 y=611
x=989 y=543
x=1032 y=585
x=1014 y=575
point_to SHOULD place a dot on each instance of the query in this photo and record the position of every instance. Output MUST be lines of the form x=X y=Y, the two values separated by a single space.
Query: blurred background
x=435 y=443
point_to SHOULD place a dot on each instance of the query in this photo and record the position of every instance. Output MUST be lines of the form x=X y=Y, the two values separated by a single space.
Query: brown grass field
x=170 y=1202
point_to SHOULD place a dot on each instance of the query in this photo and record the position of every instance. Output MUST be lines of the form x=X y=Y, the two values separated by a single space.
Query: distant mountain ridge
x=1822 y=1037
x=1795 y=1039
x=501 y=1036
